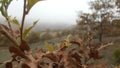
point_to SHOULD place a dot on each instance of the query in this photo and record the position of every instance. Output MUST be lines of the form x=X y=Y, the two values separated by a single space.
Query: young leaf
x=3 y=12
x=67 y=43
x=27 y=30
x=4 y=6
x=15 y=22
x=31 y=3
x=49 y=47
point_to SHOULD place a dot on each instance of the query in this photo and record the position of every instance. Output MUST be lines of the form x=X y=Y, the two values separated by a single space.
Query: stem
x=8 y=21
x=10 y=27
x=10 y=37
x=101 y=32
x=23 y=19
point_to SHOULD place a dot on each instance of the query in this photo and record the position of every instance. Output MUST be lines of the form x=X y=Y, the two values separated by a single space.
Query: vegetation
x=117 y=56
x=33 y=37
x=102 y=20
x=72 y=52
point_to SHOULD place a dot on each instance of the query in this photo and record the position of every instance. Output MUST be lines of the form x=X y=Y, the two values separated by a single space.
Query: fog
x=50 y=12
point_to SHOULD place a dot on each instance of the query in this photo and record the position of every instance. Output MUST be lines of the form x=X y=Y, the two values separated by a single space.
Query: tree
x=8 y=30
x=22 y=55
x=101 y=16
x=104 y=12
x=85 y=24
x=116 y=21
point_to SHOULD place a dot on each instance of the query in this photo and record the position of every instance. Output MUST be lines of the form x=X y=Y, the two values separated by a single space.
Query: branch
x=10 y=27
x=5 y=32
x=104 y=46
x=7 y=18
x=23 y=19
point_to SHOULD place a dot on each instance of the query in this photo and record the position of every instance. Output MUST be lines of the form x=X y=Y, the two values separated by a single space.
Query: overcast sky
x=51 y=11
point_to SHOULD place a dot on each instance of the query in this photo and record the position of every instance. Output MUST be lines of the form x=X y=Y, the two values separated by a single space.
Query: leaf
x=17 y=51
x=49 y=47
x=77 y=57
x=24 y=46
x=68 y=37
x=15 y=22
x=9 y=65
x=69 y=62
x=27 y=30
x=77 y=41
x=4 y=6
x=3 y=12
x=63 y=48
x=52 y=56
x=25 y=66
x=67 y=43
x=31 y=3
x=55 y=65
x=94 y=54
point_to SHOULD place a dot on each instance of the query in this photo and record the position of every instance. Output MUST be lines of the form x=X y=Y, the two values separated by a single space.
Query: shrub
x=33 y=37
x=116 y=55
x=22 y=55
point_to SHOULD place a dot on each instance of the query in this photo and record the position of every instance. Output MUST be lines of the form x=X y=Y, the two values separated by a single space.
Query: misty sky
x=51 y=11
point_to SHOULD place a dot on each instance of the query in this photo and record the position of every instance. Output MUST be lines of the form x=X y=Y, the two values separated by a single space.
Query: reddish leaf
x=24 y=46
x=54 y=65
x=77 y=41
x=63 y=48
x=17 y=52
x=76 y=56
x=52 y=57
x=9 y=65
x=14 y=57
x=69 y=62
x=94 y=54
x=25 y=66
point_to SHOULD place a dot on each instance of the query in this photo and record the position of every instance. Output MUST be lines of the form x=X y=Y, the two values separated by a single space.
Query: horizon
x=63 y=12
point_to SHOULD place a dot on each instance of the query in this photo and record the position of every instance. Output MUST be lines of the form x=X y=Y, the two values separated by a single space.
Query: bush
x=46 y=36
x=33 y=37
x=116 y=55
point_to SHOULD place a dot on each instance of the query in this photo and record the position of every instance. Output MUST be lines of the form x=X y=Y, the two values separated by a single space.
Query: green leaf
x=5 y=1
x=4 y=4
x=3 y=12
x=67 y=43
x=49 y=47
x=15 y=22
x=27 y=30
x=68 y=37
x=31 y=3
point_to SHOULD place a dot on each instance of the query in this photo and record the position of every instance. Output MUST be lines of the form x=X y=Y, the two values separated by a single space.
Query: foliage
x=49 y=47
x=8 y=30
x=46 y=36
x=33 y=37
x=27 y=30
x=60 y=58
x=16 y=36
x=117 y=56
x=22 y=55
x=99 y=21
